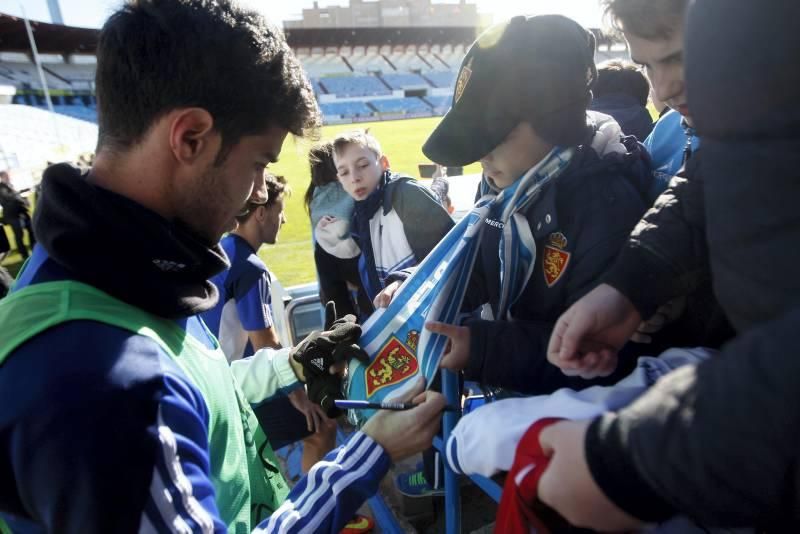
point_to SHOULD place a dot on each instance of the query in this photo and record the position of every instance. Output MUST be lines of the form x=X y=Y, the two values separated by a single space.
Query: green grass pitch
x=291 y=259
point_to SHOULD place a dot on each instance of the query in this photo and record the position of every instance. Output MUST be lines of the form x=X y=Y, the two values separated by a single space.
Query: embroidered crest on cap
x=555 y=258
x=393 y=364
x=463 y=78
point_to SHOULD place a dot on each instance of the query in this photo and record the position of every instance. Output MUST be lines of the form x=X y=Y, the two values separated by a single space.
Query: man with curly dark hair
x=120 y=412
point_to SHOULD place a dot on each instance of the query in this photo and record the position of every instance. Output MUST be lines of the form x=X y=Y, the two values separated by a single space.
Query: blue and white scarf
x=394 y=337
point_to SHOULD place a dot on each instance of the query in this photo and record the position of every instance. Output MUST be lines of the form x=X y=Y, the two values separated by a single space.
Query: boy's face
x=662 y=60
x=359 y=170
x=508 y=161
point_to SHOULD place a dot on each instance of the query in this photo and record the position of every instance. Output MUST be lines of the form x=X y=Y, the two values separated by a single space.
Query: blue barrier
x=452 y=496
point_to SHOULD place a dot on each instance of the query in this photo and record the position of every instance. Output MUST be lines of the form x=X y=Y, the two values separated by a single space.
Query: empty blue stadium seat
x=346 y=109
x=318 y=89
x=441 y=78
x=401 y=105
x=77 y=111
x=403 y=80
x=440 y=103
x=353 y=86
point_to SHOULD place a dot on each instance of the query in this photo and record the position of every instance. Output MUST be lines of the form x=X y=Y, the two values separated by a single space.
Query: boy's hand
x=568 y=486
x=384 y=298
x=457 y=356
x=587 y=336
x=405 y=433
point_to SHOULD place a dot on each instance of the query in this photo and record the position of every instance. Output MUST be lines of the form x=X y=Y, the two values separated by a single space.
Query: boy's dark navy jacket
x=580 y=222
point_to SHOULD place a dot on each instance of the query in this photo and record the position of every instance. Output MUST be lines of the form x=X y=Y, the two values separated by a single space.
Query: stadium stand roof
x=59 y=39
x=336 y=37
x=50 y=38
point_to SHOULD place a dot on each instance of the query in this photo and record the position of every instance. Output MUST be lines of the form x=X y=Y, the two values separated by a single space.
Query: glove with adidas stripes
x=320 y=351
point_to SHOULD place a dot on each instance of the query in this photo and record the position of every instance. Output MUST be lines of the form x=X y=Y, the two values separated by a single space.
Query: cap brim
x=460 y=139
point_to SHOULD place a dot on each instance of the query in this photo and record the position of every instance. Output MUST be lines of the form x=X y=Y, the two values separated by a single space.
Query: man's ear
x=384 y=161
x=192 y=137
x=261 y=212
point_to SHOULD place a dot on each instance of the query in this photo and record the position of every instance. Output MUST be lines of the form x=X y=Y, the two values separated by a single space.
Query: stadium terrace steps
x=354 y=86
x=404 y=80
x=441 y=79
x=346 y=109
x=34 y=136
x=400 y=105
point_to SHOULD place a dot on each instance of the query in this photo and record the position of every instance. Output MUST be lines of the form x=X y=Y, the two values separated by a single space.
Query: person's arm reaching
x=142 y=408
x=326 y=499
x=666 y=257
x=489 y=352
x=713 y=441
x=513 y=354
x=264 y=338
x=265 y=374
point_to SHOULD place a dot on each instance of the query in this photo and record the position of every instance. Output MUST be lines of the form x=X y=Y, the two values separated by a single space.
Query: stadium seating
x=452 y=56
x=318 y=89
x=370 y=62
x=404 y=80
x=352 y=86
x=440 y=78
x=38 y=136
x=324 y=65
x=360 y=72
x=25 y=75
x=440 y=103
x=79 y=112
x=408 y=62
x=79 y=76
x=400 y=105
x=59 y=75
x=346 y=109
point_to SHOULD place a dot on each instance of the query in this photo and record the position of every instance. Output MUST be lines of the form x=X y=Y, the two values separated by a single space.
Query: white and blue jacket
x=396 y=226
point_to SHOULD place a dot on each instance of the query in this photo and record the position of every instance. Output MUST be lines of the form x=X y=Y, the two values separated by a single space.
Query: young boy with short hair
x=396 y=221
x=576 y=184
x=569 y=189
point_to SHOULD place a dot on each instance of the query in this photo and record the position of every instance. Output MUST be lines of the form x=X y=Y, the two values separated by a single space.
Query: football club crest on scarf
x=394 y=337
x=555 y=259
x=394 y=363
x=463 y=79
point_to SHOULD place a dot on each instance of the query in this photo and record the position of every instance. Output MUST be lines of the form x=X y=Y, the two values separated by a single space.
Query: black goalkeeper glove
x=321 y=350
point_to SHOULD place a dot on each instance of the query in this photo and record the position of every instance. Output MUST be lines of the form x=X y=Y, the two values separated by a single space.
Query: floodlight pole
x=42 y=79
x=36 y=60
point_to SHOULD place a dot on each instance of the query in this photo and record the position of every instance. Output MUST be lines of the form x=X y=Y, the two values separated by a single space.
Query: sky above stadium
x=92 y=13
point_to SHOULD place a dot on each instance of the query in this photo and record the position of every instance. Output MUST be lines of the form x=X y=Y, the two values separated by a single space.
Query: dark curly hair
x=154 y=56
